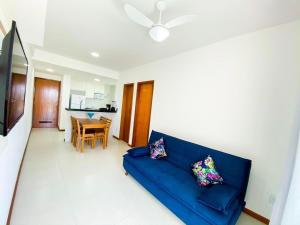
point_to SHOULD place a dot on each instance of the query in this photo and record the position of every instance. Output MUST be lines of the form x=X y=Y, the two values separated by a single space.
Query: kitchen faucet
x=81 y=103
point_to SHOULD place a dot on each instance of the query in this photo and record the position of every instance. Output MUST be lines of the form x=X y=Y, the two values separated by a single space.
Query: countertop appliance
x=108 y=107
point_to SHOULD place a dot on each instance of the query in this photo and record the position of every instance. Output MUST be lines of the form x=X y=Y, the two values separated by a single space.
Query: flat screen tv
x=13 y=78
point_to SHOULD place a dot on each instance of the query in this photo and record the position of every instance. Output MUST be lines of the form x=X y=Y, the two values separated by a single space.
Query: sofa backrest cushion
x=234 y=170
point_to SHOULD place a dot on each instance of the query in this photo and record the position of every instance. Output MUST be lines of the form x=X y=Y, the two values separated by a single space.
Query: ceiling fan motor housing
x=159 y=33
x=161 y=5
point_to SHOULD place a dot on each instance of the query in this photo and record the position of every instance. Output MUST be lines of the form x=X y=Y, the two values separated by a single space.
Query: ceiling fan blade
x=137 y=17
x=180 y=21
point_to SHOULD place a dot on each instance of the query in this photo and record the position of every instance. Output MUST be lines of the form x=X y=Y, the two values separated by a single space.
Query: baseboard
x=116 y=137
x=16 y=184
x=122 y=140
x=256 y=216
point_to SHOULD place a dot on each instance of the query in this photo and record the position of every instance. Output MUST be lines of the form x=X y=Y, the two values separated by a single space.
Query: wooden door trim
x=133 y=143
x=59 y=98
x=122 y=122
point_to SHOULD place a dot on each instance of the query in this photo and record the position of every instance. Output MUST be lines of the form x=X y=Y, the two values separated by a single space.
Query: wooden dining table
x=90 y=124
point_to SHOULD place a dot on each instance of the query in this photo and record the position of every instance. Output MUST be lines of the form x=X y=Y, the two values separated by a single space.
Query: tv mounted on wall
x=13 y=79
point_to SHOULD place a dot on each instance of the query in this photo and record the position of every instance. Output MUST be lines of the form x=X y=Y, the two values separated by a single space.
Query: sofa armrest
x=139 y=152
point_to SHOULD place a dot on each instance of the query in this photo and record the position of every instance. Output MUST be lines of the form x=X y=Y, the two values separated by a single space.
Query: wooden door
x=142 y=113
x=46 y=103
x=16 y=106
x=126 y=112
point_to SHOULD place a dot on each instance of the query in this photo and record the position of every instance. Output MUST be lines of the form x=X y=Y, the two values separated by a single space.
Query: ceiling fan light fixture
x=159 y=33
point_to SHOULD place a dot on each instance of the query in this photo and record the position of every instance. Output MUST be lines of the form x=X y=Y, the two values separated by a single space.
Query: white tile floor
x=59 y=186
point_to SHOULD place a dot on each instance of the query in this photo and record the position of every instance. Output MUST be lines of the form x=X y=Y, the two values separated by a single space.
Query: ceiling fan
x=158 y=31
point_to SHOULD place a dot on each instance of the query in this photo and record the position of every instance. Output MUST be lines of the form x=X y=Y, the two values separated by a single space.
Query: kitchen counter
x=88 y=110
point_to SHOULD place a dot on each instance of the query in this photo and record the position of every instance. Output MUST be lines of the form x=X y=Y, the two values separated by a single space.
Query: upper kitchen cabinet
x=89 y=89
x=97 y=94
x=109 y=92
x=99 y=88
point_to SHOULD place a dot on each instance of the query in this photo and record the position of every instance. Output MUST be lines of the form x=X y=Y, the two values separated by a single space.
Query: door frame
x=136 y=107
x=122 y=122
x=59 y=99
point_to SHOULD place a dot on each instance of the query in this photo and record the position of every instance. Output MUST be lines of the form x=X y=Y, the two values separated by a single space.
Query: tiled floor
x=59 y=186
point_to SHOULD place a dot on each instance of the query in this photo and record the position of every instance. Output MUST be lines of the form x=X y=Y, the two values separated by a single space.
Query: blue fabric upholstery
x=219 y=197
x=170 y=179
x=234 y=170
x=140 y=151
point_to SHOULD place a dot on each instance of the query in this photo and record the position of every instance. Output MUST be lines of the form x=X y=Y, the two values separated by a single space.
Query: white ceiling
x=41 y=68
x=76 y=28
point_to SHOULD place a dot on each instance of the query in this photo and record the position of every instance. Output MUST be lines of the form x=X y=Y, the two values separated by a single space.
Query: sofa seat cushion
x=181 y=185
x=219 y=197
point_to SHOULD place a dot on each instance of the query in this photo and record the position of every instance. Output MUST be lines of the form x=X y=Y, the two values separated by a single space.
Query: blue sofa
x=172 y=182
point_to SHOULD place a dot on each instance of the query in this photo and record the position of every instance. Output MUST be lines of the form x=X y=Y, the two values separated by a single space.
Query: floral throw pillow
x=157 y=149
x=206 y=172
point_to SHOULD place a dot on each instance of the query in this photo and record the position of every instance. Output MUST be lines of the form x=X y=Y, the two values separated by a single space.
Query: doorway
x=126 y=112
x=142 y=113
x=45 y=103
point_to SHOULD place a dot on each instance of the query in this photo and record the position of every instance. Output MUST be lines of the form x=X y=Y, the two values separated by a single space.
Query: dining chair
x=84 y=136
x=102 y=118
x=73 y=130
x=108 y=121
x=102 y=134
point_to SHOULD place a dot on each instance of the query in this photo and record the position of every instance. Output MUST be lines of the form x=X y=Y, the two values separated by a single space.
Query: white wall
x=241 y=96
x=7 y=11
x=64 y=101
x=13 y=145
x=291 y=214
x=28 y=14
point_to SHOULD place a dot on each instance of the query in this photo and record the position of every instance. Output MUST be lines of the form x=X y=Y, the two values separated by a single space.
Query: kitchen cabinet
x=99 y=88
x=89 y=90
x=92 y=87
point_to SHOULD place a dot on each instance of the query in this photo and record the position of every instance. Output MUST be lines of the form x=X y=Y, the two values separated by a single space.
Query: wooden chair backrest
x=105 y=119
x=108 y=124
x=78 y=128
x=73 y=122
